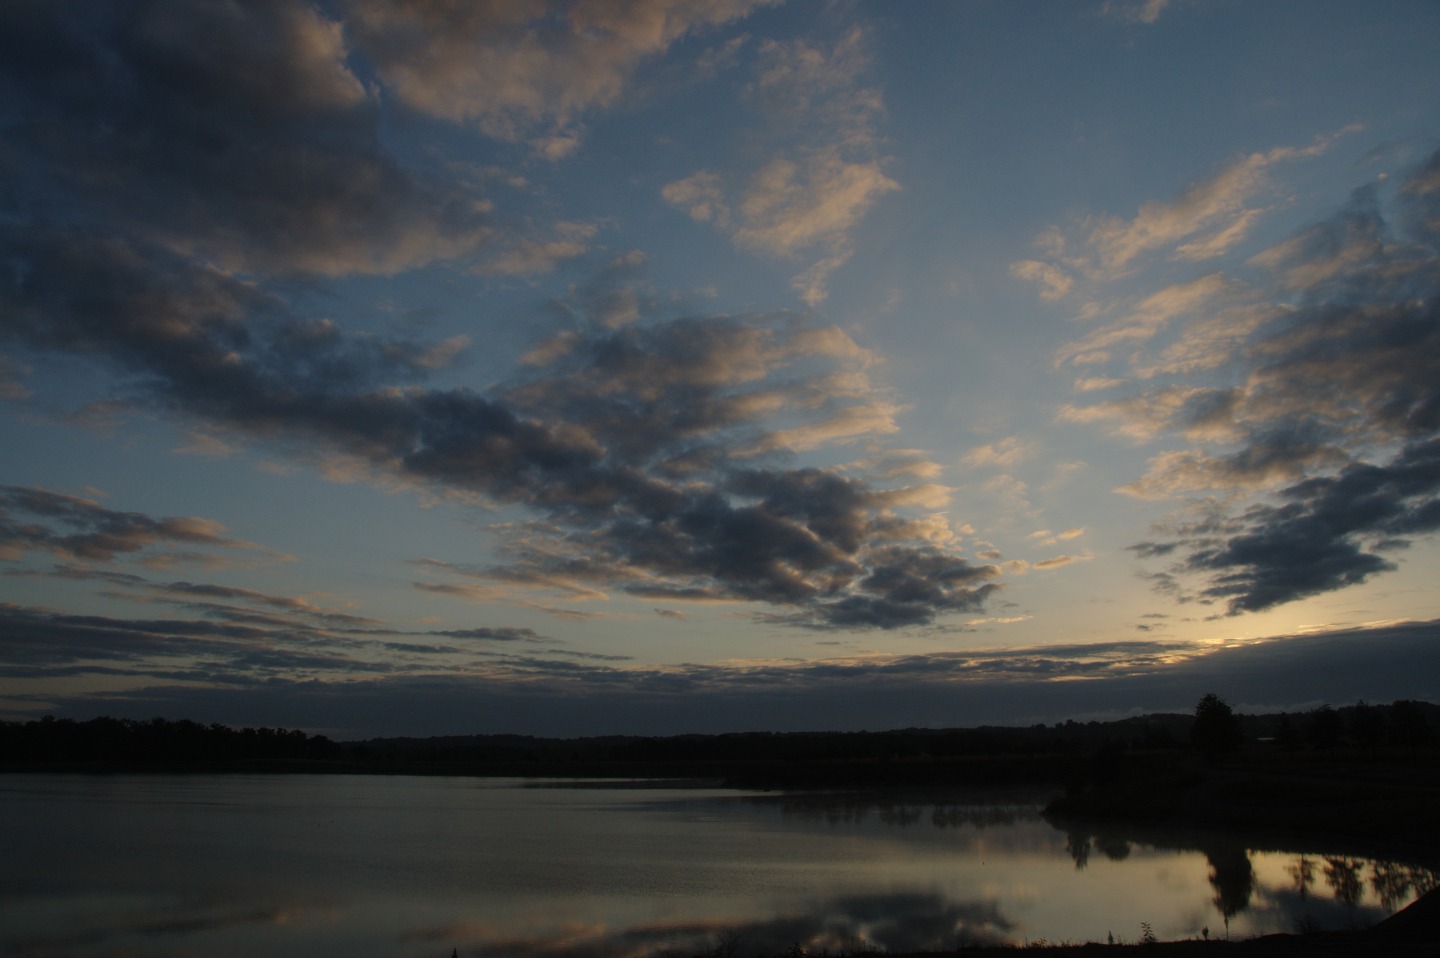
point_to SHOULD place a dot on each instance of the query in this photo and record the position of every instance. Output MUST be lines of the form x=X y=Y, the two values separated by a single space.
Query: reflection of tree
x=1424 y=879
x=1390 y=882
x=1233 y=879
x=1302 y=873
x=838 y=810
x=979 y=816
x=1342 y=874
x=899 y=814
x=1113 y=847
x=1078 y=845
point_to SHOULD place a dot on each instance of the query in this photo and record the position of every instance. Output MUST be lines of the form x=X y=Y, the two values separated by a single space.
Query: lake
x=322 y=866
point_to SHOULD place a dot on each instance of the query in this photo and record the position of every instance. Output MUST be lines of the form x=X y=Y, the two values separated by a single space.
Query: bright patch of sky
x=662 y=366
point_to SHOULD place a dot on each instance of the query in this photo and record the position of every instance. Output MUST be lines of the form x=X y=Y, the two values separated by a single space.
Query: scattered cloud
x=1047 y=538
x=632 y=440
x=1148 y=318
x=1135 y=11
x=1003 y=454
x=809 y=197
x=1057 y=562
x=1209 y=219
x=73 y=527
x=1308 y=396
x=12 y=374
x=650 y=451
x=524 y=256
x=191 y=670
x=1053 y=281
x=523 y=72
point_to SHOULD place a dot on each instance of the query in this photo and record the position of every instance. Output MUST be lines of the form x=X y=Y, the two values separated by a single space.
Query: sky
x=377 y=367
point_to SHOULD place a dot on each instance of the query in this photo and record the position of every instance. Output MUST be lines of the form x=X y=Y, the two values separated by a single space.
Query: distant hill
x=1049 y=753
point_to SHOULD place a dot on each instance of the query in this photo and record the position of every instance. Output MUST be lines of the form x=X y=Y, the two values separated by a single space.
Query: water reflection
x=323 y=868
x=843 y=809
x=895 y=923
x=1232 y=877
x=1237 y=888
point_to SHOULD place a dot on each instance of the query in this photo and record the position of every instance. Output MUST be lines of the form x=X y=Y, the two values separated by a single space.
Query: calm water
x=322 y=866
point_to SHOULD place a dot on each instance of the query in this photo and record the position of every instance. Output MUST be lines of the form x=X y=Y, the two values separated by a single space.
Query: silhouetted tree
x=1216 y=729
x=1408 y=725
x=1287 y=734
x=1324 y=727
x=1367 y=725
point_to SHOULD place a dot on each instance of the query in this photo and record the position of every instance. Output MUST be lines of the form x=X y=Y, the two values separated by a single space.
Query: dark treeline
x=904 y=756
x=1363 y=776
x=182 y=743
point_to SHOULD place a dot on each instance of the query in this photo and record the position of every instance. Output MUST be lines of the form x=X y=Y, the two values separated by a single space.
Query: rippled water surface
x=325 y=866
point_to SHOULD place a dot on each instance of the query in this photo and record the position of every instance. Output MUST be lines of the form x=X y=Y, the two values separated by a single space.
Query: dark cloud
x=502 y=634
x=174 y=166
x=1325 y=534
x=233 y=131
x=292 y=605
x=37 y=636
x=33 y=519
x=587 y=697
x=1338 y=418
x=630 y=441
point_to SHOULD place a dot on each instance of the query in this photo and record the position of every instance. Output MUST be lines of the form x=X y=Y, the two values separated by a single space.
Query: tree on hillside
x=1216 y=729
x=1408 y=725
x=1367 y=724
x=1325 y=727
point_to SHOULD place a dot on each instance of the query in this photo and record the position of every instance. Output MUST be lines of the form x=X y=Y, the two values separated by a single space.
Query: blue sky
x=376 y=367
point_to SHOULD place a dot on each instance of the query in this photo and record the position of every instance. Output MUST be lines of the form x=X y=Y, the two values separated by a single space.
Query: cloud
x=1326 y=533
x=1057 y=562
x=1264 y=463
x=790 y=206
x=1194 y=411
x=1309 y=397
x=1136 y=11
x=38 y=520
x=1209 y=219
x=586 y=697
x=527 y=256
x=634 y=442
x=234 y=133
x=1053 y=281
x=11 y=373
x=1004 y=454
x=809 y=197
x=1216 y=204
x=702 y=195
x=1047 y=538
x=527 y=71
x=1149 y=317
x=491 y=634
